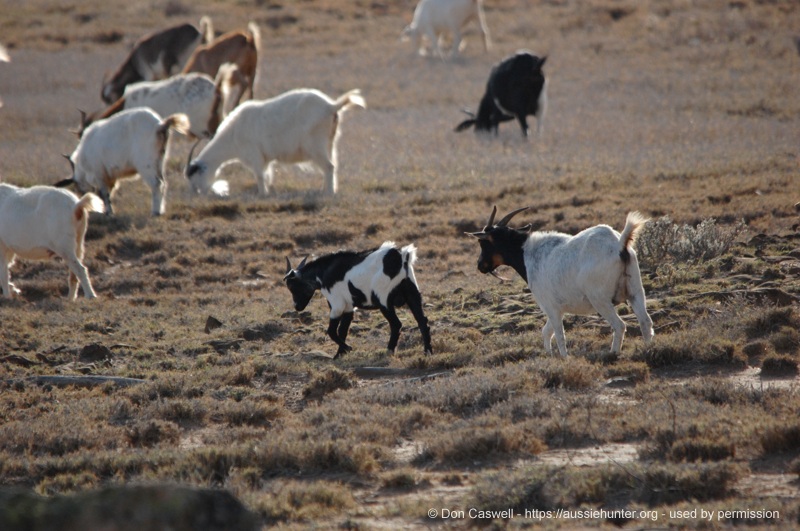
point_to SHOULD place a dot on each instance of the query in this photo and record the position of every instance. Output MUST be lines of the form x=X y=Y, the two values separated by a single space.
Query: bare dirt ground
x=680 y=109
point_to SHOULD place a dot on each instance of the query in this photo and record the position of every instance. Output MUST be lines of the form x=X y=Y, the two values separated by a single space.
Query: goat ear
x=466 y=124
x=541 y=61
x=479 y=235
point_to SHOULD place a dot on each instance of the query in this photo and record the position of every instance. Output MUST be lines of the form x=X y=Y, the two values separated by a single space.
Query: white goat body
x=129 y=143
x=584 y=274
x=433 y=18
x=202 y=99
x=298 y=126
x=41 y=222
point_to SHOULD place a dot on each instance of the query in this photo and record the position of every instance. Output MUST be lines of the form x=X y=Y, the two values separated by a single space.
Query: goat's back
x=35 y=219
x=562 y=269
x=284 y=119
x=442 y=14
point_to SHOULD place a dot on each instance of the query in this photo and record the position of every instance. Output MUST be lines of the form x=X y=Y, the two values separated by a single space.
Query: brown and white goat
x=42 y=222
x=237 y=47
x=157 y=55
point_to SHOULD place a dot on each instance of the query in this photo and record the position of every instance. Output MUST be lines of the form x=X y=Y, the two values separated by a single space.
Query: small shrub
x=251 y=413
x=670 y=484
x=146 y=434
x=700 y=449
x=781 y=439
x=327 y=382
x=304 y=501
x=661 y=240
x=472 y=443
x=771 y=320
x=404 y=479
x=779 y=365
x=569 y=373
x=691 y=347
x=65 y=483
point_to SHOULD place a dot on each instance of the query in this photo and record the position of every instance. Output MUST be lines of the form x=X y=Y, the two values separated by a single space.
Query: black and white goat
x=516 y=88
x=582 y=274
x=380 y=279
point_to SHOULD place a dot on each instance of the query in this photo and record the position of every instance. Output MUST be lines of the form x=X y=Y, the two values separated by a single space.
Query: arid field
x=684 y=110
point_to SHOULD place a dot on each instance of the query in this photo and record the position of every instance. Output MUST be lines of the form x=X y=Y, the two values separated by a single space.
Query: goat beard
x=497 y=276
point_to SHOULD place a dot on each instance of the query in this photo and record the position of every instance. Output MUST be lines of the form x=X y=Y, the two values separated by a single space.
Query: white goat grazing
x=129 y=143
x=203 y=100
x=582 y=274
x=41 y=222
x=432 y=18
x=297 y=126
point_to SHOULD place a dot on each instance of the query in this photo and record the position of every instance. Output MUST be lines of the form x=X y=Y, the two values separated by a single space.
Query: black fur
x=515 y=85
x=326 y=271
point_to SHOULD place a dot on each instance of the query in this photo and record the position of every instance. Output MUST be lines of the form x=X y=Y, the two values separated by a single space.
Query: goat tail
x=347 y=99
x=89 y=203
x=409 y=254
x=634 y=223
x=255 y=35
x=178 y=121
x=207 y=29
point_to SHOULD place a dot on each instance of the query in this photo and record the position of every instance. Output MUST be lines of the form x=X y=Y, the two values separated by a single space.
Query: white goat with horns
x=582 y=274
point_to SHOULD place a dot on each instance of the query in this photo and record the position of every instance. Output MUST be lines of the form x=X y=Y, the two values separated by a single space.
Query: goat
x=434 y=17
x=41 y=222
x=516 y=88
x=380 y=279
x=298 y=126
x=237 y=47
x=129 y=143
x=157 y=55
x=201 y=99
x=582 y=274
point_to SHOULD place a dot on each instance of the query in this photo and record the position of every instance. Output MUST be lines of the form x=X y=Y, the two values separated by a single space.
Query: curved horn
x=503 y=222
x=302 y=263
x=189 y=160
x=491 y=218
x=288 y=266
x=71 y=164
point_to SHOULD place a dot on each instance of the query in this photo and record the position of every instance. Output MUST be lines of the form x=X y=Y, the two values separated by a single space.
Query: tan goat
x=237 y=47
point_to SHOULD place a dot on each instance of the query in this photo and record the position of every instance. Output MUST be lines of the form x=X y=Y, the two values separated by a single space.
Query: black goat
x=380 y=279
x=516 y=89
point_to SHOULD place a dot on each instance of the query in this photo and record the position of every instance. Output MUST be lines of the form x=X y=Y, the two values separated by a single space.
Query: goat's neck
x=219 y=150
x=513 y=253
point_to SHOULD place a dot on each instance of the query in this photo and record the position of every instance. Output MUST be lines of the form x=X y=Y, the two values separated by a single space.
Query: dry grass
x=686 y=112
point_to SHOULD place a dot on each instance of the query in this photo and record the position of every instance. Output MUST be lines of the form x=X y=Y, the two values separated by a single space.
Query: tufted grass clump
x=663 y=240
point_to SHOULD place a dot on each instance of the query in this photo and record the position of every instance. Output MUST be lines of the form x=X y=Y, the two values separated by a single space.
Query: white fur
x=197 y=96
x=583 y=274
x=368 y=277
x=432 y=18
x=41 y=222
x=129 y=143
x=295 y=127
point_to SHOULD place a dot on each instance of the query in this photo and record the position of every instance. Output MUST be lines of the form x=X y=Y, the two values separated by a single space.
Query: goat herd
x=183 y=79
